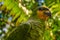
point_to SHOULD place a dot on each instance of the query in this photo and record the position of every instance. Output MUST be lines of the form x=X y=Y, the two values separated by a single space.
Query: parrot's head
x=43 y=13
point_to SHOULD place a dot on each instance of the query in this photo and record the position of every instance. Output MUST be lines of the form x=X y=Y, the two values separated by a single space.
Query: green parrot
x=33 y=29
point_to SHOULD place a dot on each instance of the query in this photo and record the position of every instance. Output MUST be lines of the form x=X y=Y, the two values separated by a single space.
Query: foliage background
x=20 y=9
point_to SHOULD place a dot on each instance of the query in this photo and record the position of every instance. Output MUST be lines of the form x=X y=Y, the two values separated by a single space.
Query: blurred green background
x=13 y=12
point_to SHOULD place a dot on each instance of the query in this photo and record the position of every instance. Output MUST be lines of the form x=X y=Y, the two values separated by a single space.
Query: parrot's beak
x=48 y=13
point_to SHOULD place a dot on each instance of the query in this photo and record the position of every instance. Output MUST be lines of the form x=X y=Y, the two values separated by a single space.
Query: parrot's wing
x=27 y=31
